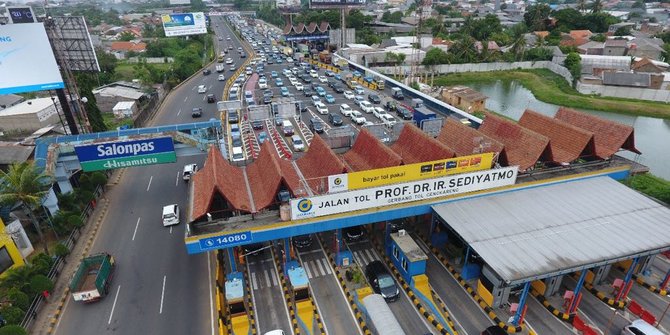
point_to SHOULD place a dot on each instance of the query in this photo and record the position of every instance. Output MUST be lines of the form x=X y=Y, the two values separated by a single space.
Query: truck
x=421 y=114
x=325 y=57
x=91 y=281
x=220 y=68
x=288 y=51
x=397 y=93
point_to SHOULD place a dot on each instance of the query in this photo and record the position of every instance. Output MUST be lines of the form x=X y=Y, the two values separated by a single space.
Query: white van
x=170 y=215
x=189 y=171
x=238 y=155
x=640 y=327
x=298 y=144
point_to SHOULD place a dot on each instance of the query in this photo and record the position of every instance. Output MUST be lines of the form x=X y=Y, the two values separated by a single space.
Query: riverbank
x=551 y=88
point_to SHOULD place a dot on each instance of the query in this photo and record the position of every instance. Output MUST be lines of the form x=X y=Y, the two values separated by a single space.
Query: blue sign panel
x=111 y=150
x=225 y=241
x=307 y=37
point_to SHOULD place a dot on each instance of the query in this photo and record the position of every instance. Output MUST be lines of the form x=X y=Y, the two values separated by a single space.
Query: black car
x=267 y=99
x=253 y=249
x=268 y=93
x=316 y=125
x=237 y=141
x=397 y=225
x=257 y=125
x=335 y=119
x=270 y=61
x=338 y=88
x=494 y=330
x=206 y=72
x=302 y=241
x=308 y=92
x=403 y=113
x=233 y=118
x=375 y=99
x=306 y=79
x=381 y=281
x=391 y=106
x=211 y=98
x=355 y=233
x=196 y=112
x=243 y=55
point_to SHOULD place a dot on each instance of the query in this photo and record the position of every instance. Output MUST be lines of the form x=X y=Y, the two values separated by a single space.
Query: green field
x=125 y=71
x=552 y=88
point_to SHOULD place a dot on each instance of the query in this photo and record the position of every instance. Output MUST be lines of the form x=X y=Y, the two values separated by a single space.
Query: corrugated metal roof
x=545 y=231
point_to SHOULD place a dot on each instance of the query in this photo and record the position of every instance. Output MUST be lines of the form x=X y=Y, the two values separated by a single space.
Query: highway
x=157 y=287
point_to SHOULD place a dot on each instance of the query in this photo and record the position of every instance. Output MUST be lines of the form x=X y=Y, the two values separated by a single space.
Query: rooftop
x=29 y=106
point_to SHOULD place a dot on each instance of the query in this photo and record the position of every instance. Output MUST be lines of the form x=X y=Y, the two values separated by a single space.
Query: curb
x=553 y=310
x=602 y=296
x=287 y=295
x=640 y=280
x=482 y=304
x=250 y=302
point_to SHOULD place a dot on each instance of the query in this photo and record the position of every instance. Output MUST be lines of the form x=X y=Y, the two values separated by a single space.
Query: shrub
x=13 y=330
x=12 y=314
x=98 y=178
x=18 y=298
x=61 y=250
x=85 y=196
x=75 y=221
x=40 y=283
x=42 y=263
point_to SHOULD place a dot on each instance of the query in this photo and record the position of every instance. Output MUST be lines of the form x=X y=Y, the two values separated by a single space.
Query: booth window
x=5 y=260
x=404 y=264
x=395 y=252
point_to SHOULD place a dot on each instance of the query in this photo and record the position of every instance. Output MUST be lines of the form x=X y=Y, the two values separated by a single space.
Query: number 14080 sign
x=225 y=240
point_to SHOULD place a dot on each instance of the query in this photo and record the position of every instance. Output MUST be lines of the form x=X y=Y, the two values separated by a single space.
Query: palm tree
x=581 y=6
x=597 y=6
x=23 y=183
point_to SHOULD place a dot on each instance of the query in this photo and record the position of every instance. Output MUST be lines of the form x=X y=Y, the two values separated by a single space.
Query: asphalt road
x=157 y=287
x=268 y=297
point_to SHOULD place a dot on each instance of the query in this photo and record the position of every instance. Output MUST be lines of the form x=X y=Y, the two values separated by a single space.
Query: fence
x=478 y=67
x=38 y=300
x=625 y=92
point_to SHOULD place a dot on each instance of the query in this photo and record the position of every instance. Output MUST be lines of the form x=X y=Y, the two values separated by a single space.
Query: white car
x=229 y=60
x=321 y=108
x=262 y=83
x=348 y=95
x=221 y=78
x=388 y=120
x=202 y=89
x=323 y=79
x=313 y=74
x=357 y=117
x=366 y=106
x=345 y=110
x=359 y=89
x=289 y=60
x=379 y=112
x=299 y=86
x=286 y=72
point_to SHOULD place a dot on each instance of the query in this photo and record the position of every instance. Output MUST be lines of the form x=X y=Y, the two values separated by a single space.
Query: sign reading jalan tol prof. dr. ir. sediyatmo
x=114 y=155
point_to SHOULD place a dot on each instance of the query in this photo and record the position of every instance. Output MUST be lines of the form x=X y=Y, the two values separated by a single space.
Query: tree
x=26 y=185
x=18 y=298
x=435 y=56
x=482 y=29
x=126 y=36
x=622 y=31
x=13 y=330
x=86 y=82
x=598 y=38
x=573 y=63
x=41 y=283
x=394 y=17
x=581 y=6
x=567 y=19
x=596 y=6
x=536 y=16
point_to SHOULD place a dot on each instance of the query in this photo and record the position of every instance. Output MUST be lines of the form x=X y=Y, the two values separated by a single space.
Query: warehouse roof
x=545 y=231
x=29 y=107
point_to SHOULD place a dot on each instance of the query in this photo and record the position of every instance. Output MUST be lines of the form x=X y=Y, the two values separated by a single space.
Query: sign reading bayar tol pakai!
x=115 y=155
x=400 y=193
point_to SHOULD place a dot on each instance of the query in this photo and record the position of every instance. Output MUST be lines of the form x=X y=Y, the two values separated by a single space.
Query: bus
x=380 y=317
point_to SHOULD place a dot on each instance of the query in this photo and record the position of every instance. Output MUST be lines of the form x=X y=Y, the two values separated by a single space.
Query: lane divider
x=601 y=295
x=640 y=280
x=287 y=295
x=250 y=302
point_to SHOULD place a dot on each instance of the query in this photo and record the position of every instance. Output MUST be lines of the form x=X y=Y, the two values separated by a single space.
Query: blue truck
x=421 y=114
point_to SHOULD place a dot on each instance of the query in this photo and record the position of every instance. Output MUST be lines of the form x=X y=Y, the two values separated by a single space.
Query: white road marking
x=136 y=225
x=211 y=283
x=162 y=295
x=320 y=267
x=325 y=264
x=150 y=179
x=111 y=314
x=267 y=278
x=203 y=98
x=253 y=281
x=372 y=257
x=309 y=273
x=176 y=182
x=274 y=278
x=170 y=230
x=186 y=98
x=179 y=112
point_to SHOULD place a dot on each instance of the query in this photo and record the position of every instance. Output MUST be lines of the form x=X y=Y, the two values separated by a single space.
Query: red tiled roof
x=311 y=28
x=218 y=176
x=129 y=46
x=524 y=147
x=415 y=146
x=568 y=142
x=609 y=136
x=319 y=162
x=264 y=177
x=466 y=141
x=369 y=153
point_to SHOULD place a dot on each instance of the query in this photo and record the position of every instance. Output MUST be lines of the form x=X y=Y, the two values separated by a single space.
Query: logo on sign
x=305 y=205
x=338 y=183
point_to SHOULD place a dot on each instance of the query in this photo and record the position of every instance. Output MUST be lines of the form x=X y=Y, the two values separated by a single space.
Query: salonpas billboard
x=115 y=155
x=400 y=193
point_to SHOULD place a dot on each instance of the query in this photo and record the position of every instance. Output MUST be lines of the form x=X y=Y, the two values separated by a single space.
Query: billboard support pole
x=343 y=27
x=67 y=111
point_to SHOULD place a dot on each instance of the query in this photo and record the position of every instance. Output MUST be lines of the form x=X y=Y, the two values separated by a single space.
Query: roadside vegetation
x=552 y=88
x=650 y=185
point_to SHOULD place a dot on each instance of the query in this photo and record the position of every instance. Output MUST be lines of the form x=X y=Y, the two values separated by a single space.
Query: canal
x=652 y=135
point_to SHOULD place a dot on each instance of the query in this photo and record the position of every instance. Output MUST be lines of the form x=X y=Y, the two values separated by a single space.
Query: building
x=595 y=65
x=9 y=100
x=642 y=47
x=29 y=115
x=109 y=95
x=120 y=49
x=124 y=109
x=10 y=255
x=464 y=98
x=575 y=37
x=615 y=48
x=11 y=152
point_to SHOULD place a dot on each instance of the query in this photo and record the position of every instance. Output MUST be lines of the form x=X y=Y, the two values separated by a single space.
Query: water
x=651 y=134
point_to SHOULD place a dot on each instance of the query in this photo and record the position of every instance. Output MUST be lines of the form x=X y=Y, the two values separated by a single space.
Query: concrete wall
x=480 y=67
x=151 y=60
x=625 y=92
x=26 y=122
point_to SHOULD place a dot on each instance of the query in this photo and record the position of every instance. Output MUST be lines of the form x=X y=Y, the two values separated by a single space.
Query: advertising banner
x=335 y=3
x=182 y=24
x=27 y=63
x=404 y=173
x=336 y=203
x=114 y=155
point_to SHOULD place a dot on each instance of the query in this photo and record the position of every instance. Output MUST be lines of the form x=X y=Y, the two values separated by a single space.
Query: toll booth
x=237 y=310
x=406 y=255
x=301 y=297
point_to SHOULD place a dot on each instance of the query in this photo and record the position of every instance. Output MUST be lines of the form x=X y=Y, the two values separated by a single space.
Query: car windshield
x=385 y=281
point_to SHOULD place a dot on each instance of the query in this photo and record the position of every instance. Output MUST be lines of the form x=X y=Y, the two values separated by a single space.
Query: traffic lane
x=463 y=309
x=403 y=309
x=327 y=293
x=267 y=294
x=652 y=302
x=595 y=312
x=542 y=321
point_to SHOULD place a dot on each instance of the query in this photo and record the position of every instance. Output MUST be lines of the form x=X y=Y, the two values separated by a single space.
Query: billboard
x=21 y=15
x=288 y=6
x=180 y=2
x=115 y=155
x=182 y=24
x=336 y=203
x=72 y=41
x=26 y=61
x=409 y=172
x=335 y=3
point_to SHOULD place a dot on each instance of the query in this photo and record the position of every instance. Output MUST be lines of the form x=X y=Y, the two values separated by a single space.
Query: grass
x=125 y=71
x=650 y=185
x=552 y=88
x=112 y=122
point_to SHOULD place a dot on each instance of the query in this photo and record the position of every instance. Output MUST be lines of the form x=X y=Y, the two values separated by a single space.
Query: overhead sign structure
x=115 y=155
x=336 y=203
x=404 y=173
x=225 y=241
x=182 y=24
x=335 y=3
x=73 y=42
x=27 y=63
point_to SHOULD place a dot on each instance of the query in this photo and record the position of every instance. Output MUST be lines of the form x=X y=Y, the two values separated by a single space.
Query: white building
x=124 y=109
x=29 y=115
